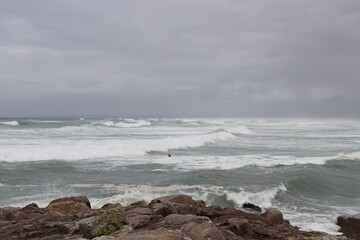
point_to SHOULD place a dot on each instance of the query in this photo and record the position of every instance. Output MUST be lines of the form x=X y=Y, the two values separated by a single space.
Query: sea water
x=309 y=169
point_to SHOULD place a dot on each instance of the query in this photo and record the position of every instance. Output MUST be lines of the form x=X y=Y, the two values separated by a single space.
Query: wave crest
x=10 y=123
x=349 y=156
x=127 y=124
x=110 y=148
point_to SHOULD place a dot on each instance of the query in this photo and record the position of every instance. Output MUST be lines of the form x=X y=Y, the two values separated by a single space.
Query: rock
x=20 y=216
x=350 y=226
x=262 y=231
x=73 y=207
x=140 y=210
x=105 y=222
x=252 y=206
x=138 y=221
x=202 y=228
x=273 y=216
x=230 y=212
x=31 y=207
x=211 y=211
x=182 y=208
x=139 y=204
x=81 y=199
x=201 y=203
x=169 y=217
x=229 y=235
x=160 y=209
x=180 y=199
x=176 y=221
x=239 y=226
x=157 y=234
x=111 y=205
x=8 y=213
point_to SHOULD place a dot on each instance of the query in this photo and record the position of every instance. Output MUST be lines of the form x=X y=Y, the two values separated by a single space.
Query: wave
x=239 y=130
x=223 y=196
x=189 y=163
x=349 y=156
x=129 y=123
x=263 y=198
x=68 y=149
x=10 y=123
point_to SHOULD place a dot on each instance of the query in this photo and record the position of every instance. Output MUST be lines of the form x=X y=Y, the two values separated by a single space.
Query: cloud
x=193 y=58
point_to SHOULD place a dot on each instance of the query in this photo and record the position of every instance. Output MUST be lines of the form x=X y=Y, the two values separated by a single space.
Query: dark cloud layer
x=180 y=58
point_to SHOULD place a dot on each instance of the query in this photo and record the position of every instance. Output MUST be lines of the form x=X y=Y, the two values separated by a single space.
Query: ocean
x=309 y=169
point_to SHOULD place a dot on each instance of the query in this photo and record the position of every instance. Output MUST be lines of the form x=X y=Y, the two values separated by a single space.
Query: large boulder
x=273 y=216
x=70 y=208
x=176 y=204
x=180 y=199
x=201 y=228
x=239 y=226
x=350 y=226
x=80 y=199
x=176 y=221
x=160 y=209
x=104 y=223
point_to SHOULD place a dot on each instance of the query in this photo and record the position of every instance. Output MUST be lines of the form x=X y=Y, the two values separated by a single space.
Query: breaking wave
x=127 y=124
x=10 y=123
x=67 y=149
x=234 y=197
x=239 y=130
x=349 y=156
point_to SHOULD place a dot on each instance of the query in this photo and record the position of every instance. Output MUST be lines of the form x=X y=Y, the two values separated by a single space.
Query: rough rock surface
x=350 y=226
x=174 y=217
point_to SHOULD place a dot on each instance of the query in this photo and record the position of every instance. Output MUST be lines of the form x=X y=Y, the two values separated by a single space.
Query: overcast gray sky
x=220 y=58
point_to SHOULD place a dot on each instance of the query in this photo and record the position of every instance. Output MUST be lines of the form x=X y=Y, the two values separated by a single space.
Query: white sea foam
x=10 y=123
x=43 y=121
x=67 y=149
x=263 y=198
x=349 y=156
x=239 y=130
x=187 y=163
x=129 y=123
x=131 y=193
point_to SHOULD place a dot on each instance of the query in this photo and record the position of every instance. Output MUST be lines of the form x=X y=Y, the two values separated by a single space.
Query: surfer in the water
x=169 y=155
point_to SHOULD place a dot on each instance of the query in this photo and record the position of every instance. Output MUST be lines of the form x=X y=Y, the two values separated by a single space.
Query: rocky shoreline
x=174 y=217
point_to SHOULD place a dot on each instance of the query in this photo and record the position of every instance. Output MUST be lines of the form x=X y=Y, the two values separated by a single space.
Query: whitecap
x=263 y=198
x=69 y=149
x=10 y=123
x=239 y=130
x=348 y=156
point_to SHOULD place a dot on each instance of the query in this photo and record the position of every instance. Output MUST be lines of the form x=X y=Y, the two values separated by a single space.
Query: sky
x=200 y=58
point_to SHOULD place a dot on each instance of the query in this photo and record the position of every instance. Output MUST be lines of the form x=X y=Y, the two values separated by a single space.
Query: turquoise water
x=309 y=169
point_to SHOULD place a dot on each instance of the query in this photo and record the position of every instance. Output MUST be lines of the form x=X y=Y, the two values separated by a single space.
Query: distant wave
x=43 y=121
x=26 y=150
x=239 y=130
x=10 y=123
x=126 y=124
